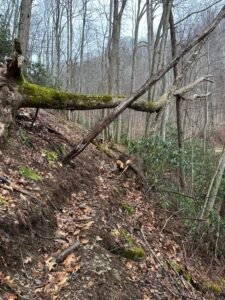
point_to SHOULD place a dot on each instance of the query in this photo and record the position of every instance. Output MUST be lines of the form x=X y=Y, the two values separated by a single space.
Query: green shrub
x=51 y=156
x=161 y=161
x=29 y=174
x=127 y=209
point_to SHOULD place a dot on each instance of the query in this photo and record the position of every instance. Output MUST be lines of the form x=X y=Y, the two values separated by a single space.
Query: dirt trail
x=95 y=217
x=108 y=213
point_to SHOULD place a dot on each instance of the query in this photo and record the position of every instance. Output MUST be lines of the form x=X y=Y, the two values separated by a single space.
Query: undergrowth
x=160 y=161
x=29 y=174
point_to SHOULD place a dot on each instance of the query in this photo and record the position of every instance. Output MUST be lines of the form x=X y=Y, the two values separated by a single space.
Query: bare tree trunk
x=16 y=20
x=157 y=53
x=178 y=101
x=140 y=14
x=81 y=79
x=214 y=187
x=57 y=19
x=150 y=20
x=24 y=24
x=113 y=49
x=206 y=108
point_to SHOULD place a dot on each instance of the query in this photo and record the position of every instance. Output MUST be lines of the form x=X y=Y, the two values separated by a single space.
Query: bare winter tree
x=24 y=24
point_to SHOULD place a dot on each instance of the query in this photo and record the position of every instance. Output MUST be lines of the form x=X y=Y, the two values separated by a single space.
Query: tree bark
x=178 y=101
x=214 y=187
x=35 y=96
x=24 y=24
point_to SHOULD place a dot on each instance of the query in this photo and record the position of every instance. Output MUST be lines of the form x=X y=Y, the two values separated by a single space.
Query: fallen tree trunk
x=35 y=96
x=143 y=89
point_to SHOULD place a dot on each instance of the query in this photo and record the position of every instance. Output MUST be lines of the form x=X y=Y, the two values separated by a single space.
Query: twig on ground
x=25 y=270
x=60 y=257
x=170 y=217
x=16 y=188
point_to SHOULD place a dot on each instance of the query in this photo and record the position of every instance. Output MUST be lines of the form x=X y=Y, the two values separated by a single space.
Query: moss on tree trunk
x=42 y=97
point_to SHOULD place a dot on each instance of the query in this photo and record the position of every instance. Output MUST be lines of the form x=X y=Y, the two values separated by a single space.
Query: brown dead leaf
x=133 y=277
x=50 y=263
x=87 y=225
x=69 y=260
x=27 y=260
x=115 y=232
x=76 y=232
x=7 y=280
x=74 y=269
x=129 y=265
x=11 y=297
x=88 y=210
x=84 y=241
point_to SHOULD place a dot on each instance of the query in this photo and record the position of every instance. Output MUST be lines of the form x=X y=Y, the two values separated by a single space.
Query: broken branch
x=59 y=258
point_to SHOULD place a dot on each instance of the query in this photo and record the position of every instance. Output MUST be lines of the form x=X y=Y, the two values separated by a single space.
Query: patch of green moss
x=3 y=201
x=126 y=237
x=51 y=156
x=212 y=286
x=151 y=105
x=181 y=271
x=130 y=249
x=29 y=174
x=134 y=253
x=47 y=97
x=127 y=209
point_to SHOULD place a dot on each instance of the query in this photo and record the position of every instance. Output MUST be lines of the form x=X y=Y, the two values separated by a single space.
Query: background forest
x=110 y=47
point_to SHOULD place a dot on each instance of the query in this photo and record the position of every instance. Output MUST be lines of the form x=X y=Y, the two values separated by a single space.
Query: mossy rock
x=127 y=209
x=133 y=252
x=130 y=249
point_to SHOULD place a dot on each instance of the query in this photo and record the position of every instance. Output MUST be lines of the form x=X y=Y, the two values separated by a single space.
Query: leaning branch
x=143 y=89
x=197 y=12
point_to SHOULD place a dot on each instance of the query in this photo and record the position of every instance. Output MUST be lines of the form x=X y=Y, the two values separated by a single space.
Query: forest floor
x=127 y=247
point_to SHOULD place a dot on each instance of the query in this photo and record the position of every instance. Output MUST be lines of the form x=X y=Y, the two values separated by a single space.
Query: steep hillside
x=123 y=248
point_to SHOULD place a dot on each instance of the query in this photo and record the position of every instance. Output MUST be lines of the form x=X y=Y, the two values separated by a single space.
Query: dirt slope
x=123 y=251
